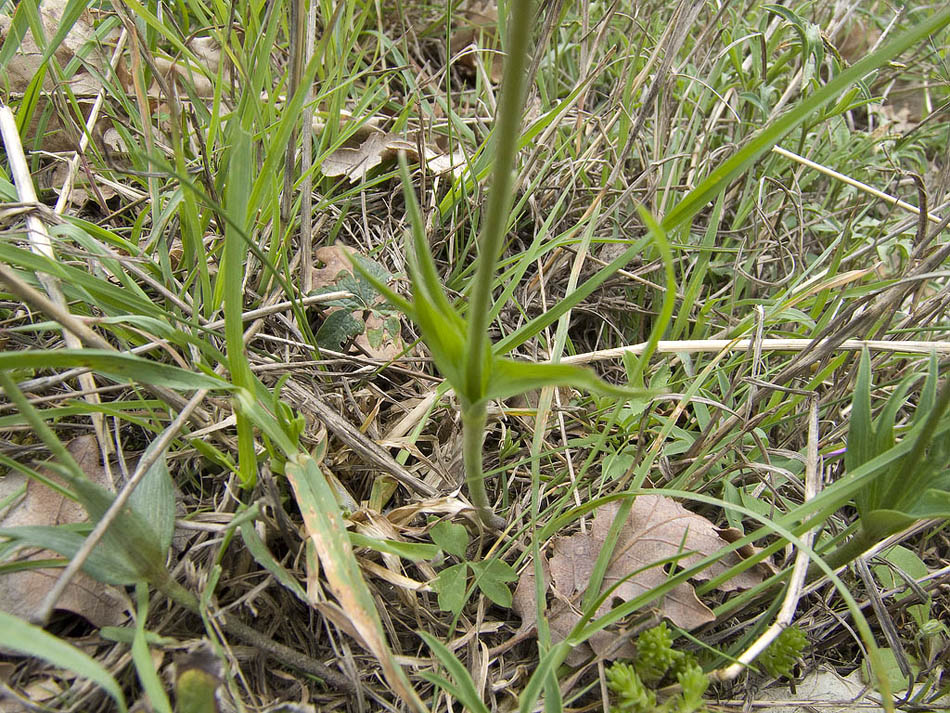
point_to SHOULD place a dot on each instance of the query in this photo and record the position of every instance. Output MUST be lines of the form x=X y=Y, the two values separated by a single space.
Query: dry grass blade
x=326 y=530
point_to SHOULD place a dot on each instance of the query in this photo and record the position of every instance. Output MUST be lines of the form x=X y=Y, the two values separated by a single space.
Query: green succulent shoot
x=632 y=684
x=777 y=660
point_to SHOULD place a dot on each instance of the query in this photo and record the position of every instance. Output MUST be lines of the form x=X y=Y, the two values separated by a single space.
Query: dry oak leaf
x=369 y=146
x=334 y=262
x=22 y=591
x=658 y=528
x=355 y=161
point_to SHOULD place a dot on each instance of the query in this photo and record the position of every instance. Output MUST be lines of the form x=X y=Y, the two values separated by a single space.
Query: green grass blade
x=33 y=641
x=731 y=168
x=464 y=689
x=510 y=377
x=240 y=167
x=325 y=527
x=861 y=430
x=723 y=175
x=142 y=658
x=121 y=367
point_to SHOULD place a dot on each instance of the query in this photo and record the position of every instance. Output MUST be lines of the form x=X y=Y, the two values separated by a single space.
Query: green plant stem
x=474 y=417
x=507 y=133
x=849 y=551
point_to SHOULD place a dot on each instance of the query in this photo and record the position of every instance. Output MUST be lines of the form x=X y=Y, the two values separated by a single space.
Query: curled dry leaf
x=477 y=31
x=355 y=162
x=22 y=591
x=368 y=147
x=658 y=528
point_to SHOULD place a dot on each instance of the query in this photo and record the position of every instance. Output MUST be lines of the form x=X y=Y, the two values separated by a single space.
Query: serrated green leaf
x=337 y=329
x=33 y=641
x=451 y=537
x=450 y=585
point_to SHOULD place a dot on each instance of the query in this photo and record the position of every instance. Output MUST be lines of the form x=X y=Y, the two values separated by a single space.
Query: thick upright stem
x=473 y=439
x=495 y=219
x=846 y=553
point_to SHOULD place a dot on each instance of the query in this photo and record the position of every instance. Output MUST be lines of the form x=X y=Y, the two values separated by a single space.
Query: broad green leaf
x=910 y=565
x=337 y=329
x=130 y=538
x=154 y=500
x=464 y=688
x=412 y=551
x=451 y=537
x=450 y=585
x=491 y=575
x=394 y=299
x=112 y=364
x=898 y=681
x=33 y=641
x=932 y=503
x=104 y=564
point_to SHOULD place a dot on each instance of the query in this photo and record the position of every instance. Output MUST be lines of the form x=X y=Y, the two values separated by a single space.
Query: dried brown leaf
x=21 y=592
x=58 y=134
x=658 y=528
x=368 y=147
x=355 y=161
x=26 y=63
x=333 y=261
x=478 y=30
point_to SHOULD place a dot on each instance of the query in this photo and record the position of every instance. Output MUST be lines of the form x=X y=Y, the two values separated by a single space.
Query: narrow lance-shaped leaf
x=238 y=189
x=327 y=531
x=860 y=428
x=33 y=641
x=112 y=364
x=510 y=377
